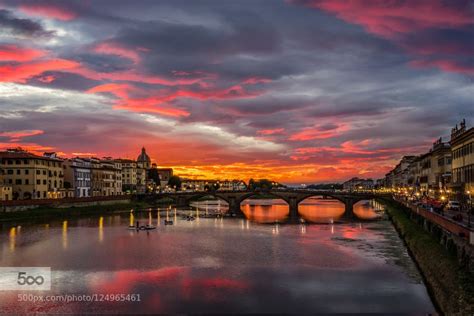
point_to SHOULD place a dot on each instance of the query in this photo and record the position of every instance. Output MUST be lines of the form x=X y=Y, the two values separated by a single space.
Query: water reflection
x=368 y=209
x=12 y=238
x=211 y=206
x=64 y=235
x=265 y=210
x=321 y=210
x=222 y=265
x=101 y=229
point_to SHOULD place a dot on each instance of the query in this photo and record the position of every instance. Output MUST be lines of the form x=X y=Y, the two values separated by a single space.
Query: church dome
x=143 y=157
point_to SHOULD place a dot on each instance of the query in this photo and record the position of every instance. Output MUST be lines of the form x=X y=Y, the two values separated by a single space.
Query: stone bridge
x=291 y=197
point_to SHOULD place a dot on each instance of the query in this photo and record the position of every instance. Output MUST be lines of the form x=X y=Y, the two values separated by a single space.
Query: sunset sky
x=297 y=91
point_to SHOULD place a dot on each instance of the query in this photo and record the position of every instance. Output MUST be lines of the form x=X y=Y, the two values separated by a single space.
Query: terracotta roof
x=23 y=155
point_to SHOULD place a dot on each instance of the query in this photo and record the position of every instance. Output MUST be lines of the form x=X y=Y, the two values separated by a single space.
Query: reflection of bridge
x=291 y=197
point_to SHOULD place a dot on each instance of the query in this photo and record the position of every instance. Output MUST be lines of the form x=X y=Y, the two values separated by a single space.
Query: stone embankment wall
x=23 y=205
x=444 y=259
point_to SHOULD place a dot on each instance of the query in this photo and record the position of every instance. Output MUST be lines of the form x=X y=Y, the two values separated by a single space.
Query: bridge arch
x=255 y=193
x=263 y=212
x=315 y=194
x=200 y=195
x=162 y=200
x=321 y=208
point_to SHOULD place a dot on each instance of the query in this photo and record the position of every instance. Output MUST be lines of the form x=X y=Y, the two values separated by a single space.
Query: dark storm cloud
x=63 y=81
x=9 y=24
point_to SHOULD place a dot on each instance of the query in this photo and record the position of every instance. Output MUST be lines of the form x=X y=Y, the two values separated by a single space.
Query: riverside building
x=31 y=176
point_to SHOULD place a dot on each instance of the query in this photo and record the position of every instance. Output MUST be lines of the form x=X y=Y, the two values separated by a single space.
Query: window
x=18 y=162
x=38 y=182
x=44 y=182
x=44 y=172
x=27 y=171
x=38 y=172
x=10 y=171
x=27 y=181
x=18 y=181
x=18 y=171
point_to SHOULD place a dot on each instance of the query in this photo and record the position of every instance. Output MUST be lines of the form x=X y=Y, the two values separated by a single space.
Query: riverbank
x=451 y=286
x=44 y=212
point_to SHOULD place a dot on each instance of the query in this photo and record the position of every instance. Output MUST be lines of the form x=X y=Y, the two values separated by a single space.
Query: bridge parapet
x=291 y=197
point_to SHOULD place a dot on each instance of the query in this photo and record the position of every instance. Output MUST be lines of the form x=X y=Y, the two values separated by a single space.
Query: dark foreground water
x=217 y=265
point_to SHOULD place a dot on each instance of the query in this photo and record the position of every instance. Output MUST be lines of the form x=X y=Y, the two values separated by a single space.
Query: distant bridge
x=291 y=197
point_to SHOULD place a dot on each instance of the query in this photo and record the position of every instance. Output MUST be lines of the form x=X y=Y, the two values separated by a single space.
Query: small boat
x=168 y=222
x=190 y=218
x=148 y=227
x=131 y=227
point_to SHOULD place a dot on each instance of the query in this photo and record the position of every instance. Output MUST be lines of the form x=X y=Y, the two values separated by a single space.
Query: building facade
x=462 y=146
x=5 y=190
x=78 y=176
x=358 y=184
x=31 y=176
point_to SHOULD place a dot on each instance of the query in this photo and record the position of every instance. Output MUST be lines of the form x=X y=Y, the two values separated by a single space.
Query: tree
x=251 y=185
x=265 y=184
x=175 y=182
x=154 y=175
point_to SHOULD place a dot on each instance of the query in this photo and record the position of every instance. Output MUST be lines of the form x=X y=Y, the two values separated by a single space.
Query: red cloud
x=135 y=77
x=116 y=49
x=271 y=131
x=146 y=105
x=17 y=135
x=22 y=72
x=118 y=89
x=396 y=17
x=318 y=133
x=159 y=103
x=48 y=11
x=18 y=54
x=34 y=148
x=255 y=80
x=47 y=79
x=151 y=107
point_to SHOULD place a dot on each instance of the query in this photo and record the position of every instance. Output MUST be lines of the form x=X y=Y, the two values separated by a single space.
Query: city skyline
x=295 y=91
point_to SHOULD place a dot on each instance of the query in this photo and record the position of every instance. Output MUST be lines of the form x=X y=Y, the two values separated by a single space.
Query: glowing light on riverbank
x=64 y=235
x=12 y=237
x=101 y=229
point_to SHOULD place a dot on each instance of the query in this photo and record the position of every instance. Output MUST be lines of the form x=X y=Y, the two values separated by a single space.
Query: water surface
x=219 y=264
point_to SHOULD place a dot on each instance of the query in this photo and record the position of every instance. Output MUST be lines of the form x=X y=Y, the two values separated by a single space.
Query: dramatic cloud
x=296 y=90
x=19 y=54
x=13 y=26
x=48 y=11
x=439 y=31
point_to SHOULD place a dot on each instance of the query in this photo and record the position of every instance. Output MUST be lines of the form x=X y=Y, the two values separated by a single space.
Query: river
x=257 y=264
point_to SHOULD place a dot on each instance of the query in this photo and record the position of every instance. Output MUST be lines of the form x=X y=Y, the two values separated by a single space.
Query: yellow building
x=129 y=175
x=105 y=178
x=31 y=176
x=5 y=190
x=462 y=146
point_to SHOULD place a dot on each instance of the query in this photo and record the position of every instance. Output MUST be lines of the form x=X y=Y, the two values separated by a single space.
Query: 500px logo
x=30 y=280
x=25 y=278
